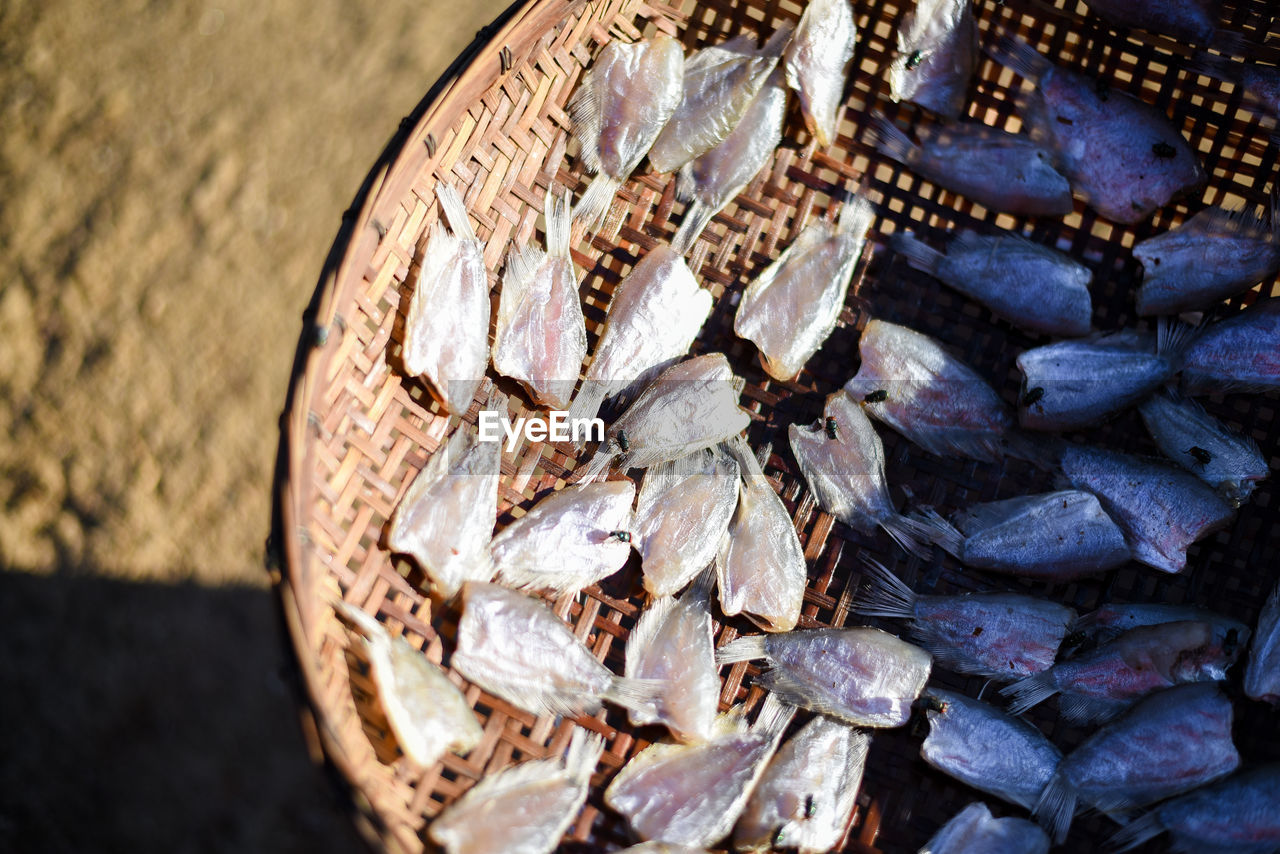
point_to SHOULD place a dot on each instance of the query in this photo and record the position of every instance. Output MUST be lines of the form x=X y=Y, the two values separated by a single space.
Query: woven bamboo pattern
x=356 y=430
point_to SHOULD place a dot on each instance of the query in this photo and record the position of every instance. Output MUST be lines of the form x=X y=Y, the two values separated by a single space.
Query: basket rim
x=480 y=62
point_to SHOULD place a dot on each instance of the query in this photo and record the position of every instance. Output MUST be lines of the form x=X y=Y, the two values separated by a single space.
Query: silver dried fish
x=625 y=99
x=860 y=675
x=691 y=794
x=817 y=64
x=986 y=748
x=672 y=643
x=446 y=518
x=516 y=648
x=682 y=513
x=570 y=539
x=446 y=337
x=541 y=336
x=524 y=809
x=426 y=711
x=760 y=567
x=805 y=798
x=937 y=53
x=790 y=309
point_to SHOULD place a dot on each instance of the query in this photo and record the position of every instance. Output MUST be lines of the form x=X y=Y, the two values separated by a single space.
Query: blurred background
x=171 y=178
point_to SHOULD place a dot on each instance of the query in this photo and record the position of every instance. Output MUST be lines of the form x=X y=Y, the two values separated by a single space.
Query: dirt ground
x=171 y=178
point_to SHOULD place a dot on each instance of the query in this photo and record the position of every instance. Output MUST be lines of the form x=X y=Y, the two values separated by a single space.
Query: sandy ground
x=171 y=177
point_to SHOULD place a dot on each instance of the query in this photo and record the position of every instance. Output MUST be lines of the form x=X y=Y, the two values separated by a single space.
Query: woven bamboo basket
x=356 y=430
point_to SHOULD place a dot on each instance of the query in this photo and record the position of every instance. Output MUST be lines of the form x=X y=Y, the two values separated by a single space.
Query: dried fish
x=655 y=314
x=446 y=337
x=845 y=472
x=516 y=648
x=1109 y=621
x=1102 y=140
x=713 y=180
x=720 y=81
x=817 y=64
x=1000 y=635
x=691 y=406
x=790 y=309
x=672 y=643
x=986 y=748
x=682 y=513
x=1238 y=815
x=625 y=99
x=760 y=567
x=805 y=798
x=524 y=809
x=1161 y=509
x=1262 y=677
x=1212 y=256
x=937 y=53
x=446 y=518
x=541 y=336
x=1087 y=380
x=1057 y=536
x=929 y=395
x=974 y=831
x=998 y=170
x=1228 y=461
x=1169 y=743
x=860 y=675
x=568 y=540
x=663 y=848
x=1100 y=684
x=998 y=270
x=426 y=711
x=1241 y=353
x=691 y=794
x=1192 y=21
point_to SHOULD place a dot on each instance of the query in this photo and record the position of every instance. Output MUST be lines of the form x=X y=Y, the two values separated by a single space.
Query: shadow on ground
x=148 y=717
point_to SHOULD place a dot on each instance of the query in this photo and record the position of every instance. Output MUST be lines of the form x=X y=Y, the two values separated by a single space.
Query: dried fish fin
x=885 y=595
x=426 y=711
x=1136 y=832
x=1056 y=807
x=1030 y=691
x=597 y=200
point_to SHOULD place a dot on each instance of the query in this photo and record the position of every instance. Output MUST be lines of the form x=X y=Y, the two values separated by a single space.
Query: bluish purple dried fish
x=1241 y=353
x=1262 y=677
x=974 y=831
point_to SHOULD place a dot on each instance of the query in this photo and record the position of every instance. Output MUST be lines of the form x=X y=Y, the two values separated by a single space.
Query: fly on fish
x=624 y=101
x=546 y=795
x=1102 y=142
x=567 y=540
x=446 y=518
x=1001 y=635
x=937 y=53
x=446 y=329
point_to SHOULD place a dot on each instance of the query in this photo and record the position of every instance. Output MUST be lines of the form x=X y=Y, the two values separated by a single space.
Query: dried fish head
x=565 y=542
x=446 y=337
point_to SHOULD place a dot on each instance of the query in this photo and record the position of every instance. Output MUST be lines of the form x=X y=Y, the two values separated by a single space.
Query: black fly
x=1033 y=395
x=1202 y=456
x=1164 y=150
x=621 y=536
x=810 y=808
x=880 y=395
x=623 y=442
x=832 y=430
x=914 y=60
